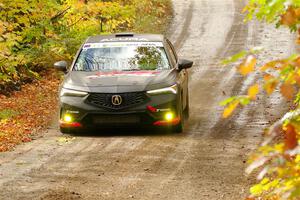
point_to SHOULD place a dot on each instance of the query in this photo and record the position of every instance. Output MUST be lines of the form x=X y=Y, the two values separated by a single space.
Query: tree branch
x=60 y=14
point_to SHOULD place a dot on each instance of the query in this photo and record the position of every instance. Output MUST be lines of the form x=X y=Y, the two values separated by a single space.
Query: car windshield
x=122 y=56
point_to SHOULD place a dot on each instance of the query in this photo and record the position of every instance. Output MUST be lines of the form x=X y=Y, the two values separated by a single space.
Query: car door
x=182 y=75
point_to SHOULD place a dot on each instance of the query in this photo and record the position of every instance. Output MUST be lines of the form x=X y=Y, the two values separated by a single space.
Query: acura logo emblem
x=116 y=100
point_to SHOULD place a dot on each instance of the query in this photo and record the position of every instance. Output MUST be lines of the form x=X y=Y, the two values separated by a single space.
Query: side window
x=171 y=53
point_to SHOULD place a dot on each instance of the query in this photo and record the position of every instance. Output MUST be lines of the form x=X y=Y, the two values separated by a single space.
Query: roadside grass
x=31 y=110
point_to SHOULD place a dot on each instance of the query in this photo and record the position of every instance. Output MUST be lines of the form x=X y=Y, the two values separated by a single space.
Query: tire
x=179 y=127
x=187 y=108
x=64 y=130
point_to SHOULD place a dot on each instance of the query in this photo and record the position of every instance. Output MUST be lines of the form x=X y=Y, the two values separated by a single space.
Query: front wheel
x=179 y=127
x=64 y=130
x=187 y=108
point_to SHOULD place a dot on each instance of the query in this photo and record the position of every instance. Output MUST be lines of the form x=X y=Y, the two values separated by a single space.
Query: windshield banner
x=122 y=44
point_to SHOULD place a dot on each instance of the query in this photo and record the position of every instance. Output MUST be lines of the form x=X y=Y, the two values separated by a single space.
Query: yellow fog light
x=68 y=118
x=169 y=116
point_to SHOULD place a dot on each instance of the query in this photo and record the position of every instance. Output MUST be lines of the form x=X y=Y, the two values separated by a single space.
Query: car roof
x=126 y=37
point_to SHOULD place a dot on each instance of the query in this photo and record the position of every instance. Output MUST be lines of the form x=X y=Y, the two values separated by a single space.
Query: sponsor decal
x=123 y=39
x=123 y=73
x=122 y=44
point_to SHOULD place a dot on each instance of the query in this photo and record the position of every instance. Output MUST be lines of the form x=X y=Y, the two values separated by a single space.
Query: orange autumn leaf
x=297 y=62
x=297 y=12
x=270 y=86
x=248 y=65
x=290 y=140
x=268 y=77
x=289 y=18
x=287 y=90
x=253 y=91
x=229 y=110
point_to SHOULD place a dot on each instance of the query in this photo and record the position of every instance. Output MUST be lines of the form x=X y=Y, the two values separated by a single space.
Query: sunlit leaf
x=290 y=139
x=229 y=109
x=227 y=101
x=253 y=91
x=287 y=90
x=247 y=66
x=289 y=18
x=270 y=86
x=234 y=58
x=244 y=100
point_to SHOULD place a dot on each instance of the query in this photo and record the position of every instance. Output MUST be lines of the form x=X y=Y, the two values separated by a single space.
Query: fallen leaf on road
x=65 y=140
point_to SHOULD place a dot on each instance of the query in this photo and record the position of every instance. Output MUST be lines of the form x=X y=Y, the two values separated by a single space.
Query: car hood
x=119 y=81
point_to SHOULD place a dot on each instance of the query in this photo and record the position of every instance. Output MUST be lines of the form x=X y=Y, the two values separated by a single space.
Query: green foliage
x=281 y=12
x=7 y=114
x=34 y=33
x=277 y=160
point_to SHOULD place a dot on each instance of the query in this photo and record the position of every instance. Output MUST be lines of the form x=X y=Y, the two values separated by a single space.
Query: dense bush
x=34 y=33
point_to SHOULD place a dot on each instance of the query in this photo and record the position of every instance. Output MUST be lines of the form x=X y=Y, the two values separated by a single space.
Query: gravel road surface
x=206 y=162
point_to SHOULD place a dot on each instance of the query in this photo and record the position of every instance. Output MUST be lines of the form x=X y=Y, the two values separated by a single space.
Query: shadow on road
x=126 y=132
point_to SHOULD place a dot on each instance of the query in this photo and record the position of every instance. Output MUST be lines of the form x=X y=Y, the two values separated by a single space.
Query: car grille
x=116 y=119
x=128 y=100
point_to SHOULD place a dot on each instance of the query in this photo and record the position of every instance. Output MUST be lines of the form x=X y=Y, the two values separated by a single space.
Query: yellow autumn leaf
x=248 y=65
x=276 y=65
x=268 y=66
x=253 y=91
x=297 y=79
x=228 y=110
x=287 y=90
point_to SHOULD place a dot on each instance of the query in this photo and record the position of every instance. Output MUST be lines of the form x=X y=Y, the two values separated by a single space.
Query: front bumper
x=151 y=112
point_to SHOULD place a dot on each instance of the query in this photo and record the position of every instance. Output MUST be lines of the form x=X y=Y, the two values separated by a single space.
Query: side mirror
x=61 y=66
x=184 y=64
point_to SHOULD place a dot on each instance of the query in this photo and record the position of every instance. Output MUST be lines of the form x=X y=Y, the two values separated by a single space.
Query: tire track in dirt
x=184 y=30
x=239 y=32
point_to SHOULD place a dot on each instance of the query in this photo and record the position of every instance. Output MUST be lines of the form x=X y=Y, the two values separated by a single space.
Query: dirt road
x=205 y=162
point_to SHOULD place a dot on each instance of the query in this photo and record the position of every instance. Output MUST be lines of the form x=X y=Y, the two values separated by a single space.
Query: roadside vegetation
x=277 y=161
x=34 y=34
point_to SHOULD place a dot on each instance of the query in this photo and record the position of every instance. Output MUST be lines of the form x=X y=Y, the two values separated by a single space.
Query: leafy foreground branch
x=277 y=160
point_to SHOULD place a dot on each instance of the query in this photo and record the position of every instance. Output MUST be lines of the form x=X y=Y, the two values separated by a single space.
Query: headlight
x=74 y=93
x=173 y=89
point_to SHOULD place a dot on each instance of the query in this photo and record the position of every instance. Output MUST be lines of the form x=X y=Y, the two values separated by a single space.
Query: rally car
x=124 y=79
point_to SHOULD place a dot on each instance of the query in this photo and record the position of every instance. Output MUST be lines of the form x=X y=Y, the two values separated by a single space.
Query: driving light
x=75 y=93
x=173 y=89
x=169 y=116
x=68 y=118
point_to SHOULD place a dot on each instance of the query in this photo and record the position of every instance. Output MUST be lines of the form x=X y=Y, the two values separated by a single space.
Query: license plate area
x=116 y=119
